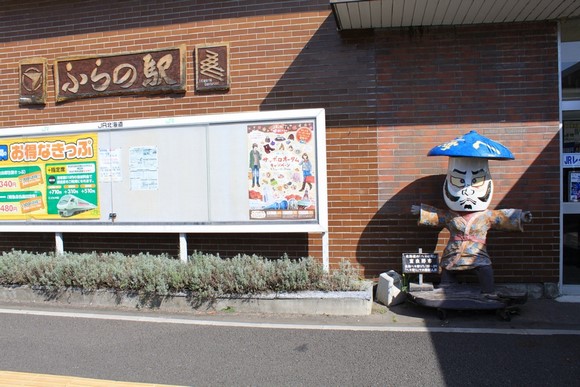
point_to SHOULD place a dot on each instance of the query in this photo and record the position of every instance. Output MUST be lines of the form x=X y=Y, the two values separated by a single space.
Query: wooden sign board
x=32 y=81
x=160 y=71
x=212 y=67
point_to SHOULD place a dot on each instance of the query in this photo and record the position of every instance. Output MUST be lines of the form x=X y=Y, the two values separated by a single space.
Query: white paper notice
x=144 y=168
x=110 y=165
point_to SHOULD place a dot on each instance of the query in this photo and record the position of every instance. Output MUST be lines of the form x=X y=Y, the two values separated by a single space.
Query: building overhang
x=361 y=14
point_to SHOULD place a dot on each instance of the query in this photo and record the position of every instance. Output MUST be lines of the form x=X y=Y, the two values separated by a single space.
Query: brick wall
x=389 y=95
x=439 y=83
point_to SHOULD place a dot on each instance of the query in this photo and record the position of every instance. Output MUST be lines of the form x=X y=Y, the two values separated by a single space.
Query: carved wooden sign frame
x=212 y=67
x=160 y=71
x=32 y=81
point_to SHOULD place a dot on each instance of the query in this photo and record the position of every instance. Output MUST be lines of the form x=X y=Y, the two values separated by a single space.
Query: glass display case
x=570 y=157
x=571 y=161
x=571 y=198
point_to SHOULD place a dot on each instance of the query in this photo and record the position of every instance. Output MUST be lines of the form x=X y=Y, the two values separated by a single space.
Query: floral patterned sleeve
x=431 y=216
x=508 y=219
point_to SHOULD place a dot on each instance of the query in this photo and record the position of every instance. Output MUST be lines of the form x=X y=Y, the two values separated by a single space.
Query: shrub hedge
x=204 y=275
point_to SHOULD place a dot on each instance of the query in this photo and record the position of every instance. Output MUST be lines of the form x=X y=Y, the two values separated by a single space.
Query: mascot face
x=468 y=186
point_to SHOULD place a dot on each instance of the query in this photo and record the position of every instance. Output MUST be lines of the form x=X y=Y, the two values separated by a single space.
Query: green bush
x=204 y=275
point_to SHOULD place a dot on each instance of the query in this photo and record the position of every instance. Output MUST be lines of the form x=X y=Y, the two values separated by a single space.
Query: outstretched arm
x=415 y=209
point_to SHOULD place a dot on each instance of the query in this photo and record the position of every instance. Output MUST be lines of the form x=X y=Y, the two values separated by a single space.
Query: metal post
x=59 y=243
x=183 y=247
x=325 y=252
x=421 y=274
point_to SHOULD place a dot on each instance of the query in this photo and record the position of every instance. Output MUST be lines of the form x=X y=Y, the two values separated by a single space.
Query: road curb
x=341 y=303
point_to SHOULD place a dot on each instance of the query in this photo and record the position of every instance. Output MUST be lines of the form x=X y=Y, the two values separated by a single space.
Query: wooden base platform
x=469 y=297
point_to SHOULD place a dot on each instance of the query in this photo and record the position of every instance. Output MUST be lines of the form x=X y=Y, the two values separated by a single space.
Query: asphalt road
x=183 y=354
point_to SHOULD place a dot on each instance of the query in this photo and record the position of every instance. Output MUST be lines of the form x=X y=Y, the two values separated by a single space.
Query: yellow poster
x=49 y=178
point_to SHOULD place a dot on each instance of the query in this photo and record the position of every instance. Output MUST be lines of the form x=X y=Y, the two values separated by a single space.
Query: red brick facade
x=389 y=95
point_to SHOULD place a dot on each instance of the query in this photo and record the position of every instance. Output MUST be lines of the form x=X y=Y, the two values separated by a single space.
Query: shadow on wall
x=535 y=252
x=371 y=77
x=393 y=230
x=334 y=71
x=31 y=241
x=115 y=15
x=516 y=257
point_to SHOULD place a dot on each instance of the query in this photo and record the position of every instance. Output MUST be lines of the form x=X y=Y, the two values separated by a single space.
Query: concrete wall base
x=350 y=303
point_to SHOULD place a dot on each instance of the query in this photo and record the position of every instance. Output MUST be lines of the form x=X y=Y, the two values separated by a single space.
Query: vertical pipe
x=183 y=247
x=325 y=252
x=59 y=243
x=421 y=275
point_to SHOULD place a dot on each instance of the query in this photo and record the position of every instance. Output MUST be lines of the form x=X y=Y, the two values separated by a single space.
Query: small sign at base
x=420 y=263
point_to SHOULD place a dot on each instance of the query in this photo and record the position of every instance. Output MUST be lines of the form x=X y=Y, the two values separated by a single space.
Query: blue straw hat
x=473 y=144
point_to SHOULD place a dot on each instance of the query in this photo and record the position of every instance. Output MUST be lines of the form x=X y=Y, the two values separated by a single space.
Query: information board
x=420 y=263
x=262 y=171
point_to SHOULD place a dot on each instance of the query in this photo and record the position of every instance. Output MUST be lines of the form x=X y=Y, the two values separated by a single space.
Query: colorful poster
x=49 y=178
x=282 y=171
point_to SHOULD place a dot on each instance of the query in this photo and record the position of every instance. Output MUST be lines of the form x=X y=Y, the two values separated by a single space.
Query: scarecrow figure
x=468 y=190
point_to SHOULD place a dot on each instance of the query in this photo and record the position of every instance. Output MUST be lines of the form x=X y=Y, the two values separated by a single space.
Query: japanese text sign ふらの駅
x=49 y=178
x=151 y=72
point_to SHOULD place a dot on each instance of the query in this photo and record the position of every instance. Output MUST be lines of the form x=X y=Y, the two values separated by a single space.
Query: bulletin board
x=247 y=172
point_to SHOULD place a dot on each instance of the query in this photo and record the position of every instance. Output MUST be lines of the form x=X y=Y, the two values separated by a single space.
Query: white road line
x=326 y=327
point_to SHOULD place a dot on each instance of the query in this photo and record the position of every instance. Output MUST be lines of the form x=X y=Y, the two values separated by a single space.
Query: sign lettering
x=571 y=160
x=212 y=67
x=153 y=72
x=420 y=263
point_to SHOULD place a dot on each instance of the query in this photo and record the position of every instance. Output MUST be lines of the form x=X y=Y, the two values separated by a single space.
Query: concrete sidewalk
x=333 y=309
x=536 y=314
